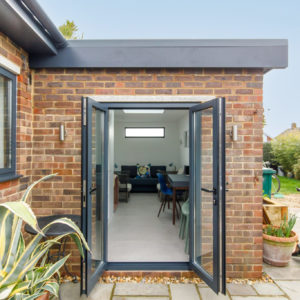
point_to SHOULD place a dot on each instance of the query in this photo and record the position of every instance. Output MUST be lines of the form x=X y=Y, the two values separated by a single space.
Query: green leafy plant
x=24 y=273
x=296 y=169
x=286 y=150
x=284 y=230
x=69 y=30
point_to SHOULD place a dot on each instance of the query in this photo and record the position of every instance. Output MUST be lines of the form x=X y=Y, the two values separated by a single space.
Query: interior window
x=7 y=124
x=145 y=132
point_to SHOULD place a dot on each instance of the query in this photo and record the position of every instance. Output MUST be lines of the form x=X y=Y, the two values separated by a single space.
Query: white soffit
x=9 y=65
x=147 y=99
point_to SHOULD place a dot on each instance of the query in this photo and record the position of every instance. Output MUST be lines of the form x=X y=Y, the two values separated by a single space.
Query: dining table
x=178 y=182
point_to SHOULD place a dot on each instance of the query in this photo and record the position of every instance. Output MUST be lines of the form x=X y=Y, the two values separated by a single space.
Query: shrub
x=268 y=155
x=296 y=170
x=286 y=150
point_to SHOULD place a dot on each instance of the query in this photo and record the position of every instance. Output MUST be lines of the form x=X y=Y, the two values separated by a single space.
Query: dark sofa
x=143 y=185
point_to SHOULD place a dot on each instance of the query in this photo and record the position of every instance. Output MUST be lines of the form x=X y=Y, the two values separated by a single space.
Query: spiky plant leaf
x=52 y=288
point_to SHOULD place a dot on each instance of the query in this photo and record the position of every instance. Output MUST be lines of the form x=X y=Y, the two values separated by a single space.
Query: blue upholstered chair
x=166 y=193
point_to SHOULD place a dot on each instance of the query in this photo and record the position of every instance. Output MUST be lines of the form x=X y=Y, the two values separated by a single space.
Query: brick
x=56 y=97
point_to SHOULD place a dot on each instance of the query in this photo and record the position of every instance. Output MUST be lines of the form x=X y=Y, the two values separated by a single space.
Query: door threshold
x=148 y=266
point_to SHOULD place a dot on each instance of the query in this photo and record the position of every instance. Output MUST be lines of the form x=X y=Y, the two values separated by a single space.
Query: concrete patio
x=286 y=286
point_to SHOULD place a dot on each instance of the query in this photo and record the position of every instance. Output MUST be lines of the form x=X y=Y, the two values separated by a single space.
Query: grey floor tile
x=135 y=233
x=184 y=291
x=208 y=294
x=235 y=289
x=291 y=288
x=141 y=289
x=267 y=288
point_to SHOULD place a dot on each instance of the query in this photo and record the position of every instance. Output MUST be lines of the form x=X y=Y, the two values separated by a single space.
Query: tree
x=286 y=150
x=69 y=30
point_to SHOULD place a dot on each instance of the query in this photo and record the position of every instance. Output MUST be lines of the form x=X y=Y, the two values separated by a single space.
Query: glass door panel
x=96 y=190
x=94 y=195
x=207 y=229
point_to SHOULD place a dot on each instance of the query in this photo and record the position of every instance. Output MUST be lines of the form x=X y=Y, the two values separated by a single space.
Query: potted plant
x=24 y=271
x=279 y=242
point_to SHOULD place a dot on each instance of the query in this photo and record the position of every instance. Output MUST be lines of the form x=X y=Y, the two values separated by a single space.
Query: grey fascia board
x=20 y=28
x=264 y=54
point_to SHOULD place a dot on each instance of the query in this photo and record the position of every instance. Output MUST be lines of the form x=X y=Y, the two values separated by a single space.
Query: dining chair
x=167 y=194
x=184 y=224
x=124 y=186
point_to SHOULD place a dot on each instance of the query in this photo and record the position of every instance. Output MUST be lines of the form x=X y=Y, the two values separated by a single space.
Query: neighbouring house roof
x=25 y=22
x=291 y=130
x=267 y=137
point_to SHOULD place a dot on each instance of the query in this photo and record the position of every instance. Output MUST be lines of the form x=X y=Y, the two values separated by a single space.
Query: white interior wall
x=111 y=164
x=157 y=151
x=183 y=151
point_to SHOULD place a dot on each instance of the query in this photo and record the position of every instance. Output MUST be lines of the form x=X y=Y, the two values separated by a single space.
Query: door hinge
x=84 y=193
x=84 y=112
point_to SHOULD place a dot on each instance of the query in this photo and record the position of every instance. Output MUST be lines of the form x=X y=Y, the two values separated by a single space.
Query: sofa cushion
x=143 y=170
x=156 y=169
x=130 y=169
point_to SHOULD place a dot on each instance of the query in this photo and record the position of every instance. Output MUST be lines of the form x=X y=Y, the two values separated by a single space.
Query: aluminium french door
x=94 y=191
x=207 y=192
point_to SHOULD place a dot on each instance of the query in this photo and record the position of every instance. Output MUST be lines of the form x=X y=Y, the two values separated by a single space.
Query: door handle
x=209 y=191
x=92 y=190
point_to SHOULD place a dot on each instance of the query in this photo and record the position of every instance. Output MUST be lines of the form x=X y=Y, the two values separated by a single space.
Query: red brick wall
x=57 y=98
x=12 y=190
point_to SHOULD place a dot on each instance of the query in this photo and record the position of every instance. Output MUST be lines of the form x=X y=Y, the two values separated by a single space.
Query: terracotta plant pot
x=278 y=250
x=44 y=296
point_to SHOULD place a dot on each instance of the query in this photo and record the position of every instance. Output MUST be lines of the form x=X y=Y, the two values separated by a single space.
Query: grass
x=288 y=185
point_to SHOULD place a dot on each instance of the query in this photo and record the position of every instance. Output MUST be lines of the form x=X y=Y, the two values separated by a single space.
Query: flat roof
x=199 y=53
x=28 y=25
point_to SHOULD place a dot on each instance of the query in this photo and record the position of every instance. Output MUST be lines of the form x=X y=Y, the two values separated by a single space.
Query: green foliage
x=268 y=154
x=296 y=169
x=286 y=150
x=21 y=275
x=284 y=230
x=69 y=30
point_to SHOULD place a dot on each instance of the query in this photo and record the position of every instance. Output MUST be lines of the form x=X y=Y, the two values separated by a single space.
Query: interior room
x=146 y=148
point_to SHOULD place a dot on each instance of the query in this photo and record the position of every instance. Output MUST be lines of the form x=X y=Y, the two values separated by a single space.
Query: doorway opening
x=147 y=146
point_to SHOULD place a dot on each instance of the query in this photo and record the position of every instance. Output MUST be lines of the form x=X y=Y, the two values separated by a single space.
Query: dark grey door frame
x=138 y=265
x=88 y=277
x=218 y=281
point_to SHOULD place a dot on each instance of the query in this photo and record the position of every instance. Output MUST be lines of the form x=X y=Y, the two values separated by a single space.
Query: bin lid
x=268 y=171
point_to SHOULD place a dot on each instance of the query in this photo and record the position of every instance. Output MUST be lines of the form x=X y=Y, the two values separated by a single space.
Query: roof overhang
x=263 y=54
x=27 y=25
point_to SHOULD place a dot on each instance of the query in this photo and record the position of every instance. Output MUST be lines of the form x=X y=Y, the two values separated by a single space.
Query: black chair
x=124 y=186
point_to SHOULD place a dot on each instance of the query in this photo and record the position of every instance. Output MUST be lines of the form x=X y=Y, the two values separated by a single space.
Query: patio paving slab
x=267 y=289
x=259 y=298
x=141 y=289
x=101 y=291
x=208 y=294
x=240 y=289
x=291 y=288
x=140 y=298
x=290 y=272
x=184 y=291
x=71 y=291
